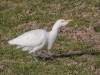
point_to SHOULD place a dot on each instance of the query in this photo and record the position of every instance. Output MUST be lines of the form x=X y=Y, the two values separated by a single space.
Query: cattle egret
x=35 y=40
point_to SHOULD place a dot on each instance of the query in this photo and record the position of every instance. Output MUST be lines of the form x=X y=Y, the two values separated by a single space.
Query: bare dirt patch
x=86 y=34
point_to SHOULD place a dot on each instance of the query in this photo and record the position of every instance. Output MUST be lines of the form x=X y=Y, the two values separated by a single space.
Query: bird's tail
x=11 y=42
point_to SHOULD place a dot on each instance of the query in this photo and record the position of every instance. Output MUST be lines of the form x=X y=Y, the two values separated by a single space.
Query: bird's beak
x=69 y=20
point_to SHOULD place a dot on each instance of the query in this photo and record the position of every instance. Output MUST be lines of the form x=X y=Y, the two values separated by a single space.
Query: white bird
x=35 y=40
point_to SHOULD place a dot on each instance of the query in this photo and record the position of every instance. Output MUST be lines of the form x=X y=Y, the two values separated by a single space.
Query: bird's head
x=63 y=22
x=59 y=23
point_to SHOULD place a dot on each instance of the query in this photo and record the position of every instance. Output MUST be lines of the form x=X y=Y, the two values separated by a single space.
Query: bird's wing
x=31 y=38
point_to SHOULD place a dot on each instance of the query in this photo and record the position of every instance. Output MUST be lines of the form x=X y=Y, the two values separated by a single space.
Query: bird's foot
x=46 y=56
x=43 y=55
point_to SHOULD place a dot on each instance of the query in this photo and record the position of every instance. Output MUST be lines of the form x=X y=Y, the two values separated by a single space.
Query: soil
x=86 y=34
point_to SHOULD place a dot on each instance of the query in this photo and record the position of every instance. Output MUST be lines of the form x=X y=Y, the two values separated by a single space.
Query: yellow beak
x=69 y=20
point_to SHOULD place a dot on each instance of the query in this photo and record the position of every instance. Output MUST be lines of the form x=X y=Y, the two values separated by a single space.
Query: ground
x=76 y=49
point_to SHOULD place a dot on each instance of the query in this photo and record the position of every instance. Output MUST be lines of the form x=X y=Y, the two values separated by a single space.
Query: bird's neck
x=56 y=27
x=55 y=30
x=52 y=35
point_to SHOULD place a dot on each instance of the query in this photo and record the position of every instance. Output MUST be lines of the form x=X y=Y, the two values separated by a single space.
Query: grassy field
x=77 y=48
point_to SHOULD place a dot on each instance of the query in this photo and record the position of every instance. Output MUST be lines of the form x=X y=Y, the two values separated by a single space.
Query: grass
x=72 y=57
x=97 y=28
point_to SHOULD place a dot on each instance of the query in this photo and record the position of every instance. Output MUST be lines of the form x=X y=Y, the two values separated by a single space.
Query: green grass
x=97 y=28
x=73 y=57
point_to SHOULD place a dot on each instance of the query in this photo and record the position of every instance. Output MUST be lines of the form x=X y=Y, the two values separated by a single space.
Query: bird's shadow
x=93 y=53
x=67 y=55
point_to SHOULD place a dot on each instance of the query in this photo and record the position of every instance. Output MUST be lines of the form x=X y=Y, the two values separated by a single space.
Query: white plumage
x=31 y=40
x=35 y=40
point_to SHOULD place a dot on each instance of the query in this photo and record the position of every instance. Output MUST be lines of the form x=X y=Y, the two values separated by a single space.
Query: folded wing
x=30 y=39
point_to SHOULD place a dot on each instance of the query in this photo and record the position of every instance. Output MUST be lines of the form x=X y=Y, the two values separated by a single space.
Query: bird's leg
x=47 y=55
x=44 y=55
x=50 y=54
x=35 y=58
x=34 y=55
